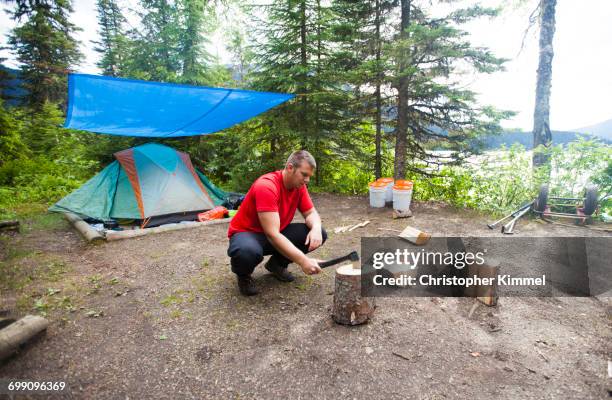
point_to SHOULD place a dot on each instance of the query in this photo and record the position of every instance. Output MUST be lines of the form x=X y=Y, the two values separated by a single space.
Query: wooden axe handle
x=335 y=261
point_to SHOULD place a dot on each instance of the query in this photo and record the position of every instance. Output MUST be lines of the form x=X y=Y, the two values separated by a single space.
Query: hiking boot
x=247 y=286
x=280 y=272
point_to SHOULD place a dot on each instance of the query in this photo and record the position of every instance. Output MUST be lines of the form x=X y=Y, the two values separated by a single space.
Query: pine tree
x=155 y=53
x=295 y=58
x=432 y=109
x=242 y=55
x=46 y=48
x=359 y=35
x=113 y=44
x=197 y=18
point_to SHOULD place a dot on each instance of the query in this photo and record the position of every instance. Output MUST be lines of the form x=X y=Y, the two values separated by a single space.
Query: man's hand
x=310 y=266
x=314 y=238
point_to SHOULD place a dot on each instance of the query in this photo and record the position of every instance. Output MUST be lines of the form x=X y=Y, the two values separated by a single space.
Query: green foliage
x=502 y=180
x=171 y=44
x=11 y=145
x=46 y=48
x=579 y=163
x=47 y=162
x=114 y=43
x=433 y=107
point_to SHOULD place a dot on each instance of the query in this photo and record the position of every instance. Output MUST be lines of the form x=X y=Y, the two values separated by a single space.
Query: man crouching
x=262 y=225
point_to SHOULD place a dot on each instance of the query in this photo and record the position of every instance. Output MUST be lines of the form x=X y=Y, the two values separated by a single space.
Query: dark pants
x=247 y=249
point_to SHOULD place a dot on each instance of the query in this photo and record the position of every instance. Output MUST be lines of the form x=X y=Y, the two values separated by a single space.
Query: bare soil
x=160 y=317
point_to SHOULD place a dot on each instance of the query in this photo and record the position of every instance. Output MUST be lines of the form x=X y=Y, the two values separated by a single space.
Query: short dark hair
x=297 y=157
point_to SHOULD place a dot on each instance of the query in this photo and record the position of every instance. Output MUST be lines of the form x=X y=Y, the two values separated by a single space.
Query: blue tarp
x=128 y=107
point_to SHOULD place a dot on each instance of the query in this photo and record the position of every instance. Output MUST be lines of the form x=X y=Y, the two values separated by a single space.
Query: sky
x=582 y=65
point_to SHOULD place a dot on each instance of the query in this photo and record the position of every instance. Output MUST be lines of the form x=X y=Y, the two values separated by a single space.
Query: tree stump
x=349 y=307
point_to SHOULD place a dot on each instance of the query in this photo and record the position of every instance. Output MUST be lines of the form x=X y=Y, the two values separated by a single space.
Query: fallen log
x=9 y=225
x=349 y=307
x=89 y=233
x=18 y=333
x=118 y=235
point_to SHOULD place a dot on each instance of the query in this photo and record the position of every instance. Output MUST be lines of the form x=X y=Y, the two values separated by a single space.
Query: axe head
x=353 y=256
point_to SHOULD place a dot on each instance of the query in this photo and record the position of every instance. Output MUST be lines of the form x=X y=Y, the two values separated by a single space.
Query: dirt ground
x=160 y=317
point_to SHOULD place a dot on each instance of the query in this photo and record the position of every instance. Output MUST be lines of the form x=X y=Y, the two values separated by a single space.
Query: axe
x=352 y=256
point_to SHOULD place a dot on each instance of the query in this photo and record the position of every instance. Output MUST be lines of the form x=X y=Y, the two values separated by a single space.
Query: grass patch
x=46 y=222
x=25 y=268
x=34 y=216
x=39 y=283
x=22 y=211
x=177 y=297
x=205 y=284
x=304 y=283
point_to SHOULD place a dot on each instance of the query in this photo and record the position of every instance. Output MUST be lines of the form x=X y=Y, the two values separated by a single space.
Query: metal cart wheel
x=590 y=200
x=540 y=203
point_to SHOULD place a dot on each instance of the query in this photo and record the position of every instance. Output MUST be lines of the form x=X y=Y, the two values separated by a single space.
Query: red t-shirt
x=269 y=194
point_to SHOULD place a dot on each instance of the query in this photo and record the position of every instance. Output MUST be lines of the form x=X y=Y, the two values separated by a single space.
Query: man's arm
x=270 y=222
x=313 y=221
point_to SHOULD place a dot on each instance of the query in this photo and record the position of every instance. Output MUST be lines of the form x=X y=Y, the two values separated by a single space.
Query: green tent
x=152 y=184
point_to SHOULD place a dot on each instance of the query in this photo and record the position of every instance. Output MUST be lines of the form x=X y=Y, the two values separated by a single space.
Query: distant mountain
x=11 y=89
x=602 y=130
x=526 y=139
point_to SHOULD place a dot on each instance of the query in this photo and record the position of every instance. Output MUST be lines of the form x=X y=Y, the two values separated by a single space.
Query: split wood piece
x=401 y=214
x=349 y=307
x=89 y=233
x=350 y=228
x=9 y=225
x=487 y=294
x=19 y=333
x=118 y=235
x=361 y=225
x=413 y=235
x=341 y=229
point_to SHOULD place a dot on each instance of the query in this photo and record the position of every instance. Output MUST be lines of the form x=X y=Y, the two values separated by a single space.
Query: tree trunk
x=541 y=115
x=378 y=156
x=401 y=130
x=304 y=64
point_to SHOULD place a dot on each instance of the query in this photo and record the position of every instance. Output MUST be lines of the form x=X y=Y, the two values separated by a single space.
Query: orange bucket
x=378 y=184
x=389 y=192
x=403 y=182
x=404 y=185
x=377 y=194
